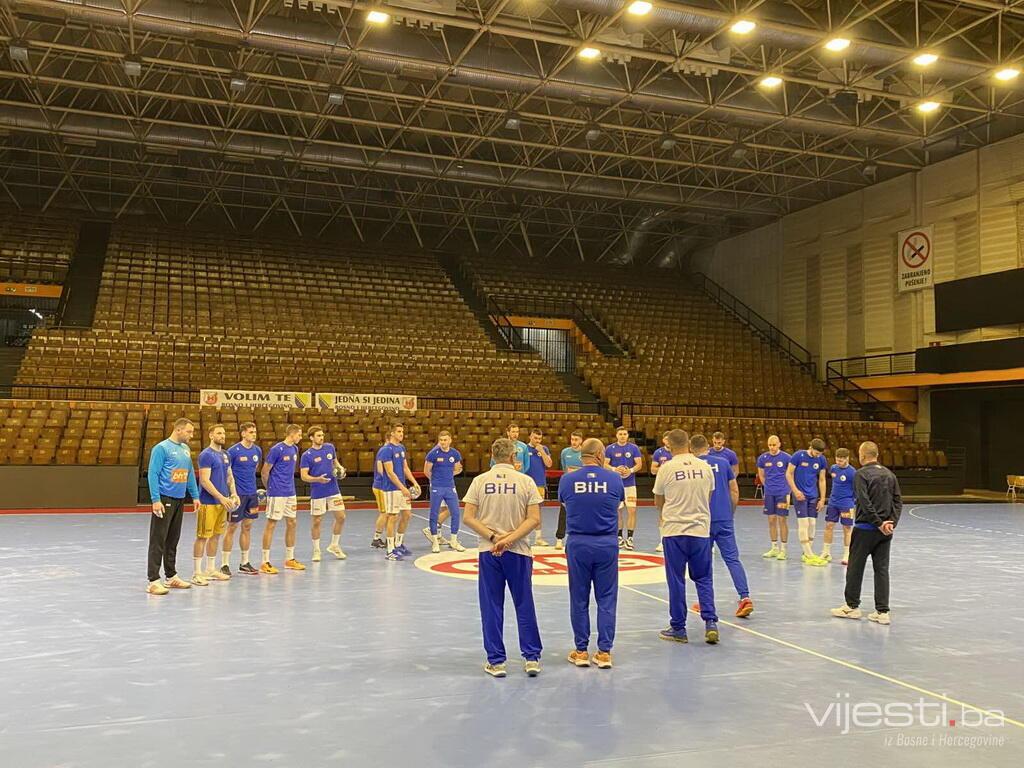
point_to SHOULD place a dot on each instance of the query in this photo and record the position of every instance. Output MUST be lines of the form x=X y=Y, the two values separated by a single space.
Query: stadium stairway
x=453 y=267
x=82 y=285
x=10 y=361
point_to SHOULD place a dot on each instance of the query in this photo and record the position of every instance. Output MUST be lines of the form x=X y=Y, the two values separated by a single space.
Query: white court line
x=958 y=525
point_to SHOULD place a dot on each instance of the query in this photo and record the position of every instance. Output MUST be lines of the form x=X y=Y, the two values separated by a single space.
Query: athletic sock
x=335 y=539
x=378 y=535
x=198 y=564
x=266 y=555
x=806 y=547
x=225 y=557
x=289 y=553
x=391 y=543
x=846 y=553
x=245 y=557
x=400 y=539
x=316 y=545
x=775 y=544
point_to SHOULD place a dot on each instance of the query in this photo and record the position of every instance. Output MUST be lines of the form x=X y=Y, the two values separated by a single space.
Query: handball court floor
x=368 y=662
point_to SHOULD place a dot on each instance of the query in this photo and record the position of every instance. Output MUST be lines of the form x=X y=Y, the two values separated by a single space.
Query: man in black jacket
x=878 y=511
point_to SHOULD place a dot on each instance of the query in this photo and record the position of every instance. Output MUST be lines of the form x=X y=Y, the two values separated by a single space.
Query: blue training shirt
x=726 y=453
x=282 y=459
x=623 y=456
x=245 y=463
x=319 y=462
x=721 y=500
x=522 y=456
x=378 y=475
x=591 y=496
x=218 y=462
x=537 y=470
x=442 y=466
x=396 y=455
x=171 y=472
x=570 y=459
x=774 y=468
x=805 y=476
x=661 y=455
x=842 y=487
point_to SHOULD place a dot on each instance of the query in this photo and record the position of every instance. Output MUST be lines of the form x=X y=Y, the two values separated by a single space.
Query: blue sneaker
x=403 y=550
x=394 y=554
x=710 y=632
x=675 y=635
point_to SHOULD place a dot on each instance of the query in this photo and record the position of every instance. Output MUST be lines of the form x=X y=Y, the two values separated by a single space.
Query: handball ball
x=339 y=472
x=415 y=491
x=261 y=497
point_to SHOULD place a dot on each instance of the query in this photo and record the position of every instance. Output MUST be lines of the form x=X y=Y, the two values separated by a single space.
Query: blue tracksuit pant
x=593 y=560
x=450 y=498
x=723 y=534
x=691 y=553
x=517 y=572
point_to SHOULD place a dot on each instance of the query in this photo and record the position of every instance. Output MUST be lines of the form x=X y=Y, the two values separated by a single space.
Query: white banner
x=255 y=399
x=346 y=401
x=915 y=259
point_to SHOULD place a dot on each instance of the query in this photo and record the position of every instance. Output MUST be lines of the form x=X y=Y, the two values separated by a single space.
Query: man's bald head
x=868 y=452
x=592 y=449
x=678 y=441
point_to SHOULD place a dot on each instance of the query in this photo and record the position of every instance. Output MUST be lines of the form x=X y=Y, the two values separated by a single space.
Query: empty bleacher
x=70 y=433
x=34 y=248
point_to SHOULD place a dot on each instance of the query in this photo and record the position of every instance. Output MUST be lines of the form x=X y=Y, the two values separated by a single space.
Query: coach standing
x=879 y=505
x=591 y=496
x=171 y=474
x=503 y=506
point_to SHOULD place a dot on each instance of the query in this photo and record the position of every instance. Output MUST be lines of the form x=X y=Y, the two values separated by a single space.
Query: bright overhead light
x=1007 y=73
x=589 y=53
x=640 y=8
x=925 y=59
x=770 y=81
x=837 y=44
x=378 y=17
x=927 y=106
x=743 y=27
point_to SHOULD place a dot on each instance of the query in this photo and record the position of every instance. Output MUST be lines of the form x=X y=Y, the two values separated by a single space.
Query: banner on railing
x=347 y=401
x=914 y=259
x=255 y=398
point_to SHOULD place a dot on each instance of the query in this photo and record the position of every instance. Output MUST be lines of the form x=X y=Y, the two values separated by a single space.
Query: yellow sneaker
x=603 y=659
x=156 y=588
x=579 y=658
x=268 y=568
x=294 y=565
x=771 y=554
x=781 y=555
x=178 y=583
x=216 y=576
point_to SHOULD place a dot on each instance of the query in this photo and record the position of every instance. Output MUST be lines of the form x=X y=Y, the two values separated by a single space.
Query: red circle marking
x=915 y=256
x=549 y=564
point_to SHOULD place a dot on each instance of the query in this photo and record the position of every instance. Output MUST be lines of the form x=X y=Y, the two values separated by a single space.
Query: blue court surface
x=366 y=662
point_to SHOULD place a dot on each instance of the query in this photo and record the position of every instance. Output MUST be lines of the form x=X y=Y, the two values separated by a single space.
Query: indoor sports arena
x=511 y=383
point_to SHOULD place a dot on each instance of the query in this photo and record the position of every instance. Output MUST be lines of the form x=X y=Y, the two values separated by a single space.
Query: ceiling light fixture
x=738 y=151
x=378 y=17
x=18 y=51
x=837 y=44
x=512 y=121
x=770 y=81
x=925 y=59
x=640 y=8
x=668 y=141
x=132 y=66
x=743 y=27
x=589 y=53
x=1005 y=74
x=927 y=106
x=239 y=82
x=593 y=132
x=335 y=97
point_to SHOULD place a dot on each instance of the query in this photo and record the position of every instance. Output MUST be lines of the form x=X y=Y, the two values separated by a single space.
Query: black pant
x=164 y=533
x=560 y=533
x=864 y=542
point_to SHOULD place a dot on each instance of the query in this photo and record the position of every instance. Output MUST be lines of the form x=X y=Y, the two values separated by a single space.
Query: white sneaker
x=316 y=556
x=455 y=544
x=846 y=612
x=199 y=580
x=532 y=668
x=216 y=576
x=157 y=588
x=435 y=545
x=880 y=618
x=428 y=535
x=559 y=543
x=660 y=547
x=539 y=542
x=337 y=551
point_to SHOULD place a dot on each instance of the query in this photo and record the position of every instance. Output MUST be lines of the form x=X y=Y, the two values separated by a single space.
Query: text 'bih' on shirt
x=686 y=482
x=502 y=496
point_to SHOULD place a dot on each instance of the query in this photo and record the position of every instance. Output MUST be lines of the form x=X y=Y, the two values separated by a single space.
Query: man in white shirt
x=682 y=494
x=503 y=506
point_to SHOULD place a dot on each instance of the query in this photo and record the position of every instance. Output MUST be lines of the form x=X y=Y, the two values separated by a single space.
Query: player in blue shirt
x=724 y=499
x=537 y=468
x=625 y=458
x=441 y=465
x=321 y=467
x=279 y=480
x=842 y=504
x=660 y=456
x=592 y=495
x=718 y=449
x=170 y=476
x=397 y=495
x=217 y=497
x=806 y=478
x=378 y=541
x=245 y=458
x=568 y=461
x=521 y=460
x=771 y=471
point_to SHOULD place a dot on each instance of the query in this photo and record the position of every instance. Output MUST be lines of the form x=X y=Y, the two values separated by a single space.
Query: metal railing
x=870 y=406
x=512 y=335
x=875 y=365
x=632 y=410
x=546 y=306
x=756 y=322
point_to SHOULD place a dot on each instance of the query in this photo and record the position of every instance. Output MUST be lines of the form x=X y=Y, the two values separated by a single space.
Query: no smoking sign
x=914 y=267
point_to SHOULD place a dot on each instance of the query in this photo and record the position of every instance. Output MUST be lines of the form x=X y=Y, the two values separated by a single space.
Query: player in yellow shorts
x=216 y=496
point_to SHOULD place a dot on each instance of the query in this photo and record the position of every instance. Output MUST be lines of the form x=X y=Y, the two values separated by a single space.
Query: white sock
x=211 y=563
x=812 y=526
x=245 y=557
x=775 y=544
x=198 y=564
x=846 y=553
x=400 y=539
x=289 y=553
x=806 y=547
x=266 y=555
x=225 y=557
x=316 y=545
x=335 y=539
x=391 y=543
x=378 y=535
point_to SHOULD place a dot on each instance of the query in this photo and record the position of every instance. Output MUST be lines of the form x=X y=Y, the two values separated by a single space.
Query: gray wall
x=62 y=487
